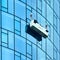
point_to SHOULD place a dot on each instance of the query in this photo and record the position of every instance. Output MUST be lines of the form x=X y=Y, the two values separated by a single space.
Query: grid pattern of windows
x=15 y=43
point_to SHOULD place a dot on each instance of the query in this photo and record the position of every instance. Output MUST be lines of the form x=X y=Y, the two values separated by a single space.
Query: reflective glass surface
x=15 y=43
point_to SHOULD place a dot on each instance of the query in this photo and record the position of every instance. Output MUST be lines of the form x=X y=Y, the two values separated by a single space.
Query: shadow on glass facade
x=15 y=43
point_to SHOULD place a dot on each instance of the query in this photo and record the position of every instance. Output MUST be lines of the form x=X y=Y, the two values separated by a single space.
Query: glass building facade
x=15 y=43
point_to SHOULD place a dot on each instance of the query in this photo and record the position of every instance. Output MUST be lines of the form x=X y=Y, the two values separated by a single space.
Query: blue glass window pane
x=49 y=14
x=34 y=14
x=31 y=38
x=17 y=58
x=4 y=3
x=58 y=25
x=50 y=49
x=7 y=54
x=58 y=56
x=43 y=43
x=55 y=21
x=7 y=21
x=34 y=52
x=29 y=2
x=17 y=25
x=39 y=4
x=23 y=25
x=41 y=54
x=56 y=39
x=10 y=6
x=41 y=20
x=56 y=7
x=11 y=40
x=51 y=34
x=52 y=3
x=55 y=53
x=33 y=4
x=49 y=29
x=28 y=49
x=20 y=9
x=28 y=13
x=43 y=8
x=20 y=45
x=23 y=57
x=4 y=37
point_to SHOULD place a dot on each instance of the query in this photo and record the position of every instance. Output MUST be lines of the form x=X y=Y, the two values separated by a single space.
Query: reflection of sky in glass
x=20 y=42
x=20 y=10
x=7 y=54
x=7 y=21
x=32 y=3
x=4 y=37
